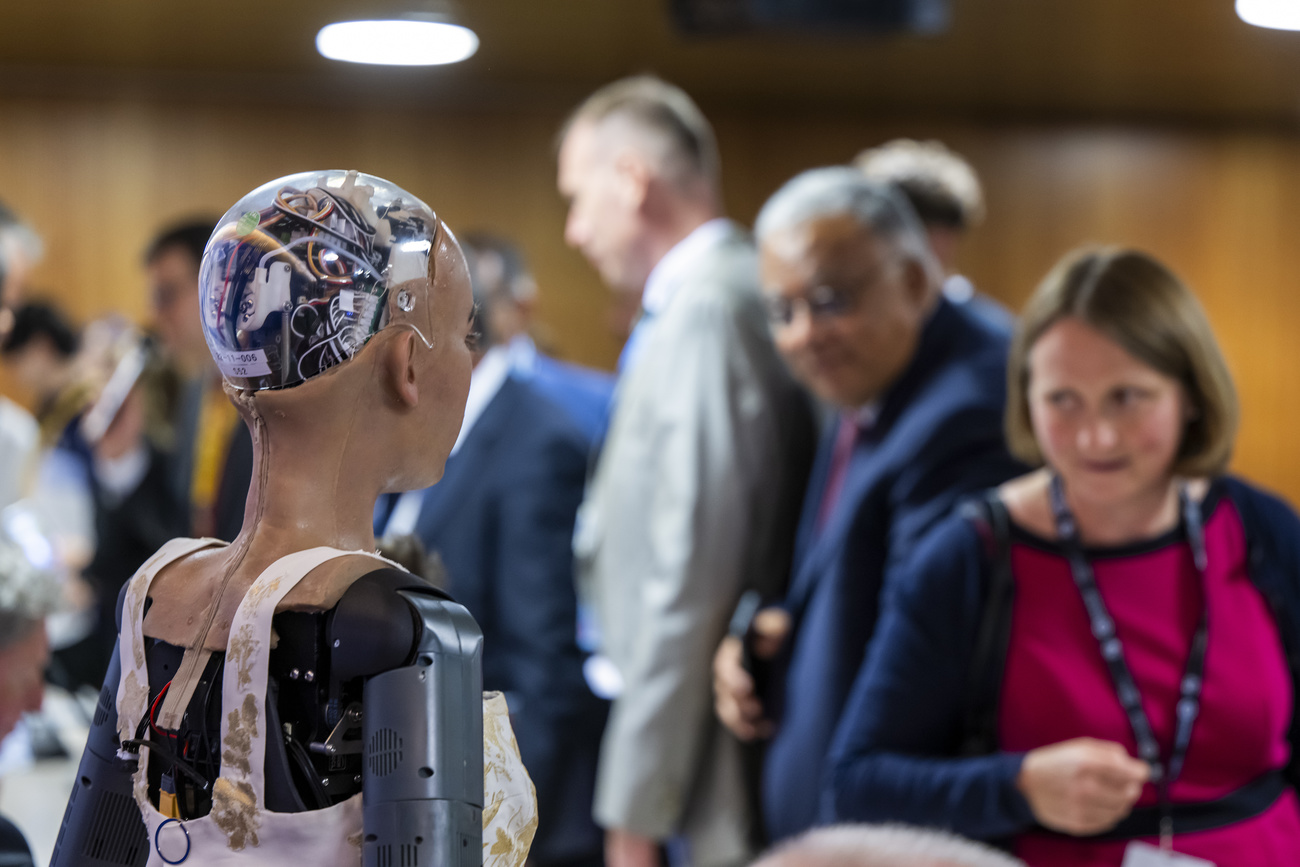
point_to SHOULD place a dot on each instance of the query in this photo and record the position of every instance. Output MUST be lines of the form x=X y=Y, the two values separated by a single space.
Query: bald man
x=883 y=846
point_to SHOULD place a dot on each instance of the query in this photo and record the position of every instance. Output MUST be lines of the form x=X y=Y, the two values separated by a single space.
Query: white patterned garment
x=510 y=801
x=240 y=830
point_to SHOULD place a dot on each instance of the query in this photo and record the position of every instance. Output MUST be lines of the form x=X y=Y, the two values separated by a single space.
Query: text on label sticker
x=247 y=362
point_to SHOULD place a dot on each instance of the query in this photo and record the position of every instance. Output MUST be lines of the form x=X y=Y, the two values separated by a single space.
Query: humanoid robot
x=260 y=688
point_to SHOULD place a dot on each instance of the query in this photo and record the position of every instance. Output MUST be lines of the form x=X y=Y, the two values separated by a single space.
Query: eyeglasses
x=822 y=302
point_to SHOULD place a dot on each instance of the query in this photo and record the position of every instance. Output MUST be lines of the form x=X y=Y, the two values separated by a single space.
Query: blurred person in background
x=689 y=503
x=27 y=595
x=40 y=354
x=854 y=297
x=508 y=292
x=20 y=251
x=501 y=522
x=103 y=504
x=135 y=510
x=946 y=194
x=882 y=846
x=211 y=459
x=1102 y=659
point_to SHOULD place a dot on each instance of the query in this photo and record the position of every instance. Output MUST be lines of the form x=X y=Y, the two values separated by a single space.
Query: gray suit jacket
x=693 y=501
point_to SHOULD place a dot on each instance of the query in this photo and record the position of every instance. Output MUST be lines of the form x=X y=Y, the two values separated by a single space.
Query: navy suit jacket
x=502 y=521
x=585 y=394
x=937 y=438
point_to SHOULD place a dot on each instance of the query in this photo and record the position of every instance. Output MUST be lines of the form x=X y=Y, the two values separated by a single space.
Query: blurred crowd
x=846 y=563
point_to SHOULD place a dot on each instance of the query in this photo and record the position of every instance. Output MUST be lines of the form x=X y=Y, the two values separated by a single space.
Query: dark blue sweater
x=895 y=755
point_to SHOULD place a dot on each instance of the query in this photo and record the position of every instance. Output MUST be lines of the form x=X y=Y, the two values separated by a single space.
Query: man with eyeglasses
x=854 y=302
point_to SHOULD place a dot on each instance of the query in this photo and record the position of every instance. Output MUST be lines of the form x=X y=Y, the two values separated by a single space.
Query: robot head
x=303 y=271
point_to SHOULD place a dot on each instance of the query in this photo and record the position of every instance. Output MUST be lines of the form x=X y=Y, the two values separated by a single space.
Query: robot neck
x=312 y=483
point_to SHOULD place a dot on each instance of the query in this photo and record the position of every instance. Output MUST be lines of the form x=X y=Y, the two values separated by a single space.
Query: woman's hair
x=1141 y=305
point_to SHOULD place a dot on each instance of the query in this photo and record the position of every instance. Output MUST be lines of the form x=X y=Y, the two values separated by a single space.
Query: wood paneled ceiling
x=1121 y=59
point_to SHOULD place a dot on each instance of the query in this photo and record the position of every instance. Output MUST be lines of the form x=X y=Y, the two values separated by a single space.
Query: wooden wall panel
x=97 y=178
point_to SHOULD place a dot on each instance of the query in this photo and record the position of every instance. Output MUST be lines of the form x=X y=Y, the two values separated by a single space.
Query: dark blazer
x=937 y=438
x=896 y=755
x=583 y=393
x=502 y=521
x=128 y=532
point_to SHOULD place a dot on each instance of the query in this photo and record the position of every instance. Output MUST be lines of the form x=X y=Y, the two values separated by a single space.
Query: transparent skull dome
x=303 y=271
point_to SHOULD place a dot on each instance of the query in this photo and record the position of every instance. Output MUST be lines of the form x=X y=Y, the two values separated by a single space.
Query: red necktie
x=845 y=439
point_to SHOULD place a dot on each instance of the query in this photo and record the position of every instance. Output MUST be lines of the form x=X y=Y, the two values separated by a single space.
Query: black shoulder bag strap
x=984 y=682
x=1262 y=551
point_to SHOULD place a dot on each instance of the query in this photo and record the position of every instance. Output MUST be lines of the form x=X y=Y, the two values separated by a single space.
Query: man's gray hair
x=837 y=191
x=27 y=594
x=669 y=120
x=883 y=846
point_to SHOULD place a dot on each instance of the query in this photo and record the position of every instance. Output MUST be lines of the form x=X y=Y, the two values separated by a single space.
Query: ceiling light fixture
x=409 y=41
x=1274 y=14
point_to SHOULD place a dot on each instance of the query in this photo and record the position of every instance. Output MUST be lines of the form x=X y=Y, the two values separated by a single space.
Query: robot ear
x=397 y=367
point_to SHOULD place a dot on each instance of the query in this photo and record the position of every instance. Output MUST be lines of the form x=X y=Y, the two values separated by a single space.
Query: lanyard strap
x=1163 y=772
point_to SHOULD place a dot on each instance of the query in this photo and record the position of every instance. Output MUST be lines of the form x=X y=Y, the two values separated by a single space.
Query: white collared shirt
x=523 y=355
x=677 y=264
x=489 y=375
x=866 y=416
x=958 y=289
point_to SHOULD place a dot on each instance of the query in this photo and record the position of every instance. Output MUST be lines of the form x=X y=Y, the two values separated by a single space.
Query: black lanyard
x=1163 y=773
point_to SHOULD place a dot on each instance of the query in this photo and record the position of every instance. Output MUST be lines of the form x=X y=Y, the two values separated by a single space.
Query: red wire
x=153 y=708
x=225 y=288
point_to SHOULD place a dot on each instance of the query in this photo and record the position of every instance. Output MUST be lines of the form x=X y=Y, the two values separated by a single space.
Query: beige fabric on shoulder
x=509 y=798
x=240 y=830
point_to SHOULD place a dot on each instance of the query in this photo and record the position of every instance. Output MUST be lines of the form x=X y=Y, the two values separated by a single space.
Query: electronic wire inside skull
x=298 y=275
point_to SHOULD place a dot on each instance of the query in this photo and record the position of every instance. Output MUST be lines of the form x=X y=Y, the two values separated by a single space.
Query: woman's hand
x=1081 y=786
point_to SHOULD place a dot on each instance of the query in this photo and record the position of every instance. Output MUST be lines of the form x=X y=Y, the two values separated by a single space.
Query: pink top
x=1056 y=685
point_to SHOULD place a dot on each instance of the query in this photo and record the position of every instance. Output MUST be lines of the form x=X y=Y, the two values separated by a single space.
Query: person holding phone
x=856 y=309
